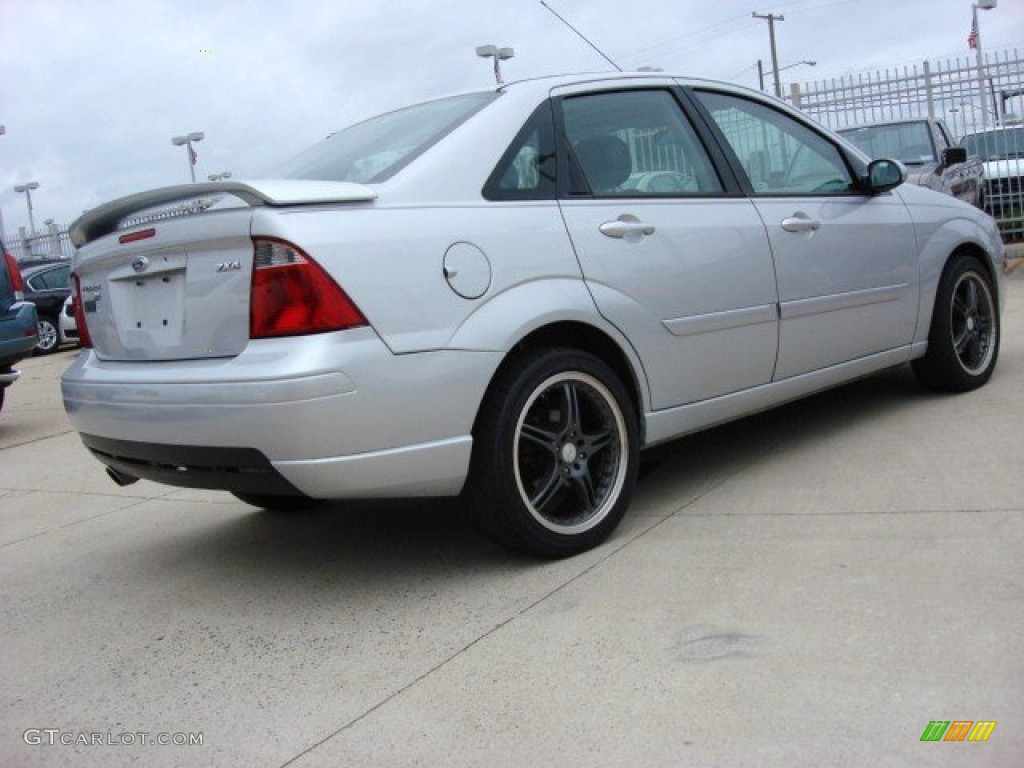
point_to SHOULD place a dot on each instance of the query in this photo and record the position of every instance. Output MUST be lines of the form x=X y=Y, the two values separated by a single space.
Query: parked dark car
x=18 y=334
x=47 y=285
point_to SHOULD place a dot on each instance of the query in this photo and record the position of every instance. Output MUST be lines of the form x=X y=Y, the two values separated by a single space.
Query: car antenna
x=582 y=36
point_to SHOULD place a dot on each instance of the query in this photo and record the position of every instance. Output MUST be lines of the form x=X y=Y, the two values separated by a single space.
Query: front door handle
x=801 y=222
x=627 y=227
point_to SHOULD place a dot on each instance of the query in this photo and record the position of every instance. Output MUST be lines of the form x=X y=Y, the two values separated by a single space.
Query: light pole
x=187 y=141
x=27 y=188
x=974 y=41
x=219 y=176
x=498 y=54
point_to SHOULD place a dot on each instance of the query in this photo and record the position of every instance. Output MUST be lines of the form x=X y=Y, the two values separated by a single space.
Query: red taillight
x=134 y=237
x=79 y=308
x=16 y=282
x=292 y=295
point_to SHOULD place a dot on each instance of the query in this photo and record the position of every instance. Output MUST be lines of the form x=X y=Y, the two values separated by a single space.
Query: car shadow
x=391 y=541
x=793 y=425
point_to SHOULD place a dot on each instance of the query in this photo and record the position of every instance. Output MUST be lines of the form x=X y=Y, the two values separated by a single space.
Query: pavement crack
x=37 y=440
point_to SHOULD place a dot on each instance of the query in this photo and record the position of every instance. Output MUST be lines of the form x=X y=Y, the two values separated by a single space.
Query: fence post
x=55 y=250
x=794 y=94
x=25 y=242
x=929 y=93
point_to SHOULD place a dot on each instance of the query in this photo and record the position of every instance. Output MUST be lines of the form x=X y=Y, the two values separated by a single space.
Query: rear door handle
x=801 y=222
x=627 y=227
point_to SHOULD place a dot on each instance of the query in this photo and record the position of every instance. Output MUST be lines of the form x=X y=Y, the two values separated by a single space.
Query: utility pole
x=771 y=19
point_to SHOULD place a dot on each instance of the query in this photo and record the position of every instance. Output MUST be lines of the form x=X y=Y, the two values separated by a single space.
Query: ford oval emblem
x=140 y=263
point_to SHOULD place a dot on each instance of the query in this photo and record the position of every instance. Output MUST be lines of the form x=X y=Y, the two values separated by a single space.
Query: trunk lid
x=166 y=274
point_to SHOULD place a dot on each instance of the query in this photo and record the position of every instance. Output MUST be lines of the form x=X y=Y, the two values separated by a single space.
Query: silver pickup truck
x=927 y=148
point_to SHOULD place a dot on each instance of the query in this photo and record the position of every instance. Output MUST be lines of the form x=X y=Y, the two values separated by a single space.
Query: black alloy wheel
x=963 y=342
x=555 y=456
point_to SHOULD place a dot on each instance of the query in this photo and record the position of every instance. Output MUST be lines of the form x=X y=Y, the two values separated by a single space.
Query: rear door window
x=635 y=144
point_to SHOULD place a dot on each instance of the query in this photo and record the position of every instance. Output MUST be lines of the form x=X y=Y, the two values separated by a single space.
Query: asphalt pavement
x=812 y=586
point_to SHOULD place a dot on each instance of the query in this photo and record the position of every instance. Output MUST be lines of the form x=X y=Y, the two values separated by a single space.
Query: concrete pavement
x=808 y=587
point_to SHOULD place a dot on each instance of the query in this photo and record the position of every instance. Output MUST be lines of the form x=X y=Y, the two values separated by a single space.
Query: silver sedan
x=508 y=294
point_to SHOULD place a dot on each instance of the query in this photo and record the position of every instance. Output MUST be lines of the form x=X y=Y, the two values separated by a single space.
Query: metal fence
x=969 y=96
x=54 y=242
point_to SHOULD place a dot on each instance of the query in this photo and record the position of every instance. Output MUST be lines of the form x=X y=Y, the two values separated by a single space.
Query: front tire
x=555 y=454
x=963 y=342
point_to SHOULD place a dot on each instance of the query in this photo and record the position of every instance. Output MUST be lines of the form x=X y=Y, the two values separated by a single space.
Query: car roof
x=882 y=124
x=994 y=129
x=542 y=85
x=36 y=266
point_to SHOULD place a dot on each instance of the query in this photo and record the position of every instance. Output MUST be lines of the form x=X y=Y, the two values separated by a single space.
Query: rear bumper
x=19 y=333
x=190 y=466
x=332 y=416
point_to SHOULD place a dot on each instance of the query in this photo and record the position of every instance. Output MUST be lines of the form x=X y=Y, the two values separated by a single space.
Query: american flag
x=972 y=39
x=194 y=157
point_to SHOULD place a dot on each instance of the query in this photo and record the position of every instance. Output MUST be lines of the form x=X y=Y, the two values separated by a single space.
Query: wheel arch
x=584 y=337
x=971 y=248
x=955 y=239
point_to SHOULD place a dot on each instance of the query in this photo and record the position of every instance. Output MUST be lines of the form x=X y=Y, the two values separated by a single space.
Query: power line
x=727 y=27
x=581 y=35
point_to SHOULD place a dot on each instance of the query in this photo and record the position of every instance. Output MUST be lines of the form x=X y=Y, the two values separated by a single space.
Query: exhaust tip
x=120 y=478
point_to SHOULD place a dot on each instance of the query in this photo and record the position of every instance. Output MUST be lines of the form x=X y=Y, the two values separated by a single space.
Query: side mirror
x=954 y=156
x=884 y=175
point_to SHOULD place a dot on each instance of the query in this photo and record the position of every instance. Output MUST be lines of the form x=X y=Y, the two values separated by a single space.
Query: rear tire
x=963 y=342
x=49 y=336
x=273 y=503
x=555 y=454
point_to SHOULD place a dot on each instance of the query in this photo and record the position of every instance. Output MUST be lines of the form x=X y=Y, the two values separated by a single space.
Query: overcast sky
x=93 y=90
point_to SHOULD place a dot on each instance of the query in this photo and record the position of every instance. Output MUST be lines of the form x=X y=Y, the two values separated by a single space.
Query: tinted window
x=636 y=143
x=780 y=155
x=51 y=279
x=379 y=147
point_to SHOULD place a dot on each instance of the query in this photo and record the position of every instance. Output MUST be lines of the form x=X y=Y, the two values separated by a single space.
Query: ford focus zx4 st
x=508 y=294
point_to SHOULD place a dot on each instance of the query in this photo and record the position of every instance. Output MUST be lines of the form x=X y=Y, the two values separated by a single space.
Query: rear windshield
x=376 y=149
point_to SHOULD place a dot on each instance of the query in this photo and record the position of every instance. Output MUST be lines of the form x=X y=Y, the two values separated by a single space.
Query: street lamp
x=761 y=73
x=27 y=188
x=187 y=141
x=974 y=41
x=498 y=54
x=219 y=176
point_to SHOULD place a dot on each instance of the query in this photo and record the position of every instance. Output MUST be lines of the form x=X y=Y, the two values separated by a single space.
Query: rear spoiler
x=196 y=198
